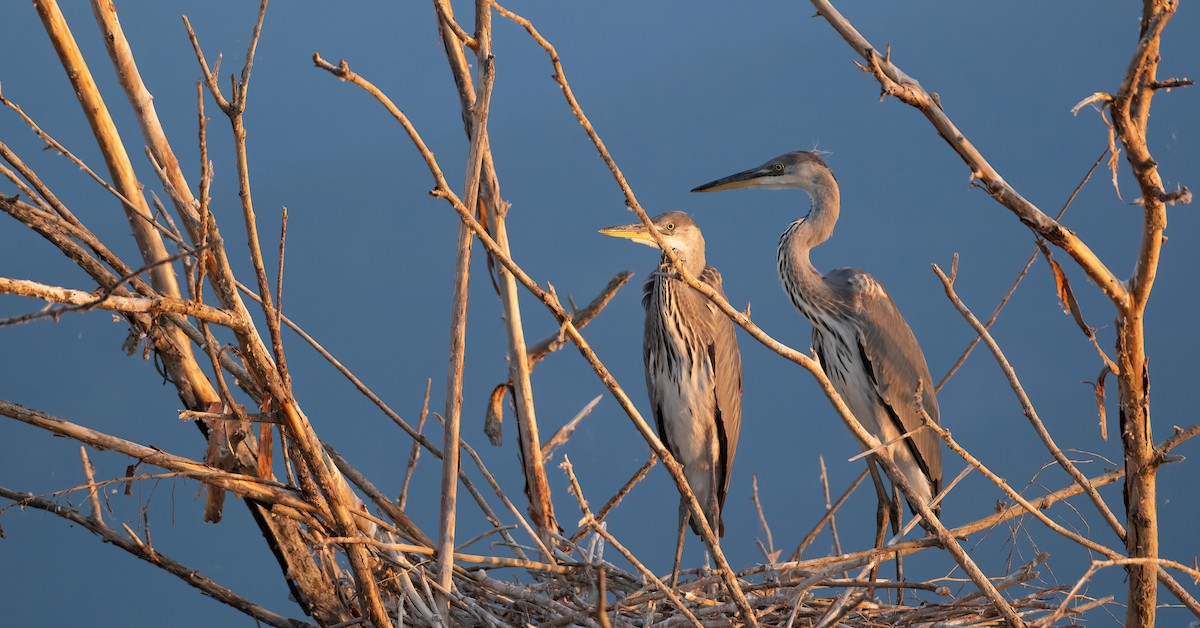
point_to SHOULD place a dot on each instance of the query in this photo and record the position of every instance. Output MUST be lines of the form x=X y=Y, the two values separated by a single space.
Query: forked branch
x=908 y=90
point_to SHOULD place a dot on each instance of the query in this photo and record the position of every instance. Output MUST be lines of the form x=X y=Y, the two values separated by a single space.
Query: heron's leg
x=684 y=517
x=882 y=509
x=897 y=513
x=713 y=508
x=713 y=511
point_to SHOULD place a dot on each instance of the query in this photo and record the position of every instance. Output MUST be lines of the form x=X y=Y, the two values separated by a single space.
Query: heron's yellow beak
x=745 y=179
x=636 y=232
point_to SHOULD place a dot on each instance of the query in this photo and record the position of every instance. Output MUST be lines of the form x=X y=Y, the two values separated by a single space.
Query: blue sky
x=681 y=95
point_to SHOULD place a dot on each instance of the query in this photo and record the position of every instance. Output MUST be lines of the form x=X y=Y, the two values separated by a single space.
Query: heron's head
x=677 y=229
x=799 y=169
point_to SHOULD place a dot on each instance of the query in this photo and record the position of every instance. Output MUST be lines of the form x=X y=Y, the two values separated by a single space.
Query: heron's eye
x=670 y=226
x=778 y=168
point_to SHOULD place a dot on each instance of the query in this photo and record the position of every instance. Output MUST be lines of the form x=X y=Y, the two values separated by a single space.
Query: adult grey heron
x=693 y=368
x=862 y=341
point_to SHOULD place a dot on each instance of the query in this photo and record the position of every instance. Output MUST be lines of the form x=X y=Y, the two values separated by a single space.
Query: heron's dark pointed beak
x=636 y=232
x=745 y=179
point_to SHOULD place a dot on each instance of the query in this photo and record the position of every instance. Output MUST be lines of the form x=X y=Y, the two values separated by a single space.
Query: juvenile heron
x=693 y=368
x=862 y=341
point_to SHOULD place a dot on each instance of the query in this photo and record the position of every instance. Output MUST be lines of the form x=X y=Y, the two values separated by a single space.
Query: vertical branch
x=283 y=220
x=194 y=389
x=333 y=488
x=493 y=213
x=1130 y=111
x=89 y=472
x=450 y=445
x=235 y=111
x=140 y=99
x=311 y=586
x=458 y=328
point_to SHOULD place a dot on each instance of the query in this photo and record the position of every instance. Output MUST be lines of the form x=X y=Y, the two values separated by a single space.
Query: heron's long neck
x=800 y=278
x=692 y=260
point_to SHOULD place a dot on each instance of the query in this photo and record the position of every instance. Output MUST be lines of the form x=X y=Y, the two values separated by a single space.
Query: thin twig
x=62 y=150
x=615 y=500
x=1085 y=484
x=135 y=546
x=591 y=522
x=769 y=553
x=416 y=447
x=827 y=517
x=283 y=221
x=564 y=433
x=837 y=544
x=396 y=513
x=93 y=495
x=1013 y=494
x=1027 y=405
x=1160 y=563
x=1020 y=276
x=512 y=508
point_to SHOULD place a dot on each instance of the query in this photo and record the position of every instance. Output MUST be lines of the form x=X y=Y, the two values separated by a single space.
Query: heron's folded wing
x=727 y=371
x=896 y=364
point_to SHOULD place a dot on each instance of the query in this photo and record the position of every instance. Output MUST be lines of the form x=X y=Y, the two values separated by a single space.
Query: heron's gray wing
x=895 y=362
x=726 y=363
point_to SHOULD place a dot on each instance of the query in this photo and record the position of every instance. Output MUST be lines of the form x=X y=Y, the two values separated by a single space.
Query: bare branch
x=599 y=529
x=564 y=433
x=193 y=387
x=615 y=500
x=896 y=82
x=128 y=304
x=415 y=452
x=135 y=546
x=482 y=196
x=244 y=485
x=827 y=517
x=1027 y=406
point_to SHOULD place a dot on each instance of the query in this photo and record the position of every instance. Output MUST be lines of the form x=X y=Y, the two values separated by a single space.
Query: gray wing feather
x=897 y=362
x=727 y=369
